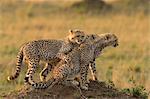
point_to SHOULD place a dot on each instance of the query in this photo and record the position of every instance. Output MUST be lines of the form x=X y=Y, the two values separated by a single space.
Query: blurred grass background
x=25 y=20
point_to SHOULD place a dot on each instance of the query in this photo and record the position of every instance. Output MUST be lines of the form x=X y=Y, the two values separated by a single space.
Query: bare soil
x=97 y=90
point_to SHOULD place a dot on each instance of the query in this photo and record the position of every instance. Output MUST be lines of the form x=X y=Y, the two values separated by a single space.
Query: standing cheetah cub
x=81 y=57
x=50 y=51
x=105 y=40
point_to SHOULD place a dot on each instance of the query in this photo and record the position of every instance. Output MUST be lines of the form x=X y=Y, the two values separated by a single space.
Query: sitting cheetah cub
x=50 y=51
x=81 y=57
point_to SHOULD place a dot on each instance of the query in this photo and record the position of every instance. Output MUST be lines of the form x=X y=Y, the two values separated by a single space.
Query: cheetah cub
x=81 y=57
x=50 y=51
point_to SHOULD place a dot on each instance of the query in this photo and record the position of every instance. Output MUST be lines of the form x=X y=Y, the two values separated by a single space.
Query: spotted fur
x=107 y=39
x=50 y=51
x=81 y=57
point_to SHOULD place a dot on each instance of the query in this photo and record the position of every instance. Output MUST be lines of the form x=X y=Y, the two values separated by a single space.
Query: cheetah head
x=76 y=36
x=112 y=38
x=105 y=40
x=92 y=38
x=109 y=39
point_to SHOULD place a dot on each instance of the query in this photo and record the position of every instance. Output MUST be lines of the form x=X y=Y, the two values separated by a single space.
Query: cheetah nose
x=80 y=41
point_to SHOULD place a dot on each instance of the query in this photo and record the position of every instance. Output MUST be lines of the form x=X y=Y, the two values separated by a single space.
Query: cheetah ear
x=107 y=37
x=93 y=36
x=71 y=31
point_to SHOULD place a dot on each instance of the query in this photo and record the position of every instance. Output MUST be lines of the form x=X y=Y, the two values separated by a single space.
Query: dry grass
x=28 y=22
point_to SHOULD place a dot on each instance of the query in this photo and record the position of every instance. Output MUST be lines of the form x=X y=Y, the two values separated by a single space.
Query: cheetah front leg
x=83 y=76
x=92 y=68
x=45 y=72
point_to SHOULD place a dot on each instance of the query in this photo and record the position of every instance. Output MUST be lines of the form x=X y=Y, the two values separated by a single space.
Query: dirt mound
x=97 y=90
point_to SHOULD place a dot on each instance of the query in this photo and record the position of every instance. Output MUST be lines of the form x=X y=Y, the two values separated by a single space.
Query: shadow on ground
x=97 y=90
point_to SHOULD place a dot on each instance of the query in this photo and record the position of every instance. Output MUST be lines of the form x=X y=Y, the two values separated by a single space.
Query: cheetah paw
x=85 y=87
x=74 y=82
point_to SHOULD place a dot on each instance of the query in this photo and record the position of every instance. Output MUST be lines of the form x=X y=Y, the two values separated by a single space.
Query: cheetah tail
x=48 y=84
x=18 y=66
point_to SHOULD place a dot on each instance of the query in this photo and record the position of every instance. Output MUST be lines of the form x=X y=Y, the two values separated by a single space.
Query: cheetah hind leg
x=31 y=70
x=45 y=72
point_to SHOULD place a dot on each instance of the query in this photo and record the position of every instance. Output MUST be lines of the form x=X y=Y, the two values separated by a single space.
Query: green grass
x=25 y=21
x=136 y=90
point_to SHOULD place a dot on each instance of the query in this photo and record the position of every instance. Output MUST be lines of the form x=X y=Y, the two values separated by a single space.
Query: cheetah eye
x=82 y=36
x=78 y=35
x=72 y=38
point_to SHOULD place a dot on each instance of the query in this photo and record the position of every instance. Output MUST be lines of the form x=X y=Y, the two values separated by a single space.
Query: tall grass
x=22 y=22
